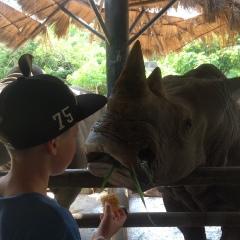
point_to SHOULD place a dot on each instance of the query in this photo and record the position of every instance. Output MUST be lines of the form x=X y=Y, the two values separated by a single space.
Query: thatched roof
x=167 y=34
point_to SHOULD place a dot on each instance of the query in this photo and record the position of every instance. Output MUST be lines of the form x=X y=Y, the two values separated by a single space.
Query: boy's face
x=66 y=150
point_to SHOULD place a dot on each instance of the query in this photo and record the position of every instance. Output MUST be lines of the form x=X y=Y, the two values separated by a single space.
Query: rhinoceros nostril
x=146 y=156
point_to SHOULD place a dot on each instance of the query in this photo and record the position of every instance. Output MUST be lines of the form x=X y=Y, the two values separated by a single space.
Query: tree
x=80 y=62
x=73 y=59
x=199 y=52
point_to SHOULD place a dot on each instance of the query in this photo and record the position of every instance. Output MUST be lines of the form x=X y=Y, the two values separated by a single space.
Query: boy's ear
x=52 y=146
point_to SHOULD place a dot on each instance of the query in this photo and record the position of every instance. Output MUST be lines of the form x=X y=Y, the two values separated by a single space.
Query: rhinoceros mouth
x=100 y=164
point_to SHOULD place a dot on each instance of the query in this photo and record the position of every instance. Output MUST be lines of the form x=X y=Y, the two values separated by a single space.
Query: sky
x=182 y=13
x=12 y=3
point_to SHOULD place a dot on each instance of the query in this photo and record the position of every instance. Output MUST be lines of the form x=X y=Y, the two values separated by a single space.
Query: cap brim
x=89 y=104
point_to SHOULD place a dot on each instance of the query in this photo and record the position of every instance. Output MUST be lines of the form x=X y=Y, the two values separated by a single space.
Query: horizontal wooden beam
x=72 y=178
x=82 y=178
x=166 y=219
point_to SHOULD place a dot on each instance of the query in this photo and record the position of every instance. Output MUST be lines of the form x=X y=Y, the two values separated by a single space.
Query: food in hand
x=112 y=199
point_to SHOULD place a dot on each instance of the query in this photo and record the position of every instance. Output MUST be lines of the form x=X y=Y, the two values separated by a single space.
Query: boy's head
x=34 y=110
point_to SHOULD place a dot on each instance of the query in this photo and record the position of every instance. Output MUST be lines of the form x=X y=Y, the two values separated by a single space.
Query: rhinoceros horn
x=25 y=64
x=155 y=83
x=132 y=80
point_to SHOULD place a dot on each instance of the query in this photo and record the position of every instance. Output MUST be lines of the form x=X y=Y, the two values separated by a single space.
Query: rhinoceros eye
x=187 y=126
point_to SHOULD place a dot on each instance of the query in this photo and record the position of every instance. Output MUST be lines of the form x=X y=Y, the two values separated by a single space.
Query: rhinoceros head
x=149 y=128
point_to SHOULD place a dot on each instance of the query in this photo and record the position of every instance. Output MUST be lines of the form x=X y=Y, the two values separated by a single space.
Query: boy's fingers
x=107 y=204
x=121 y=212
x=116 y=214
x=108 y=209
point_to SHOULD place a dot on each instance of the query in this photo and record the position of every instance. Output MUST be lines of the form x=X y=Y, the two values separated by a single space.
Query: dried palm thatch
x=50 y=11
x=16 y=27
x=166 y=35
x=169 y=34
x=34 y=17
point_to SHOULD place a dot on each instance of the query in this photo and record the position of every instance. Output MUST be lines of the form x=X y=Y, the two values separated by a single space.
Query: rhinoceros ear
x=132 y=80
x=155 y=83
x=25 y=64
x=233 y=85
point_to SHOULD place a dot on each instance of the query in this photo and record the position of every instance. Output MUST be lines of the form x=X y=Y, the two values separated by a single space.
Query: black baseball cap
x=36 y=109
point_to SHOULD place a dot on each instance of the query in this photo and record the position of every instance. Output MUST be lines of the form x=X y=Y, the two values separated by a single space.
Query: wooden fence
x=202 y=176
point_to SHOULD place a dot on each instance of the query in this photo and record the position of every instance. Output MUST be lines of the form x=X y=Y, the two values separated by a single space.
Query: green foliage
x=197 y=53
x=5 y=61
x=80 y=62
x=74 y=59
x=91 y=76
x=90 y=59
x=8 y=61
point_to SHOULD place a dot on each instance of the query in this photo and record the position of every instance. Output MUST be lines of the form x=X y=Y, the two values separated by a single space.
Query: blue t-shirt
x=32 y=216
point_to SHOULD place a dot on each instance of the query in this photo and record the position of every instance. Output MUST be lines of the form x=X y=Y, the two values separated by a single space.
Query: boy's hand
x=111 y=222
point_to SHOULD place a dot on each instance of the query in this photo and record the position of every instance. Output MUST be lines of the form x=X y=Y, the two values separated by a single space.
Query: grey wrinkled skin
x=65 y=197
x=163 y=129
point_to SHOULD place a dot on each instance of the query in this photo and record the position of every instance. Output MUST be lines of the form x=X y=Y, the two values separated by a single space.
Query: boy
x=38 y=125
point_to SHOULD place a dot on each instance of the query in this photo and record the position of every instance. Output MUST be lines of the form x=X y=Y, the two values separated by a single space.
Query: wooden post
x=117 y=22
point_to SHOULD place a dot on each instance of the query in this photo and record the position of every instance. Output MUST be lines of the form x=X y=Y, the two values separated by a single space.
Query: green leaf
x=136 y=183
x=107 y=177
x=138 y=187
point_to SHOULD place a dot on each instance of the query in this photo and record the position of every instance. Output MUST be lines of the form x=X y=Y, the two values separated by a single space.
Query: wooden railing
x=202 y=176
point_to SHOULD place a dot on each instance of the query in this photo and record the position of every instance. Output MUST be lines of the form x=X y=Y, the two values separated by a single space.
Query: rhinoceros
x=163 y=129
x=65 y=197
